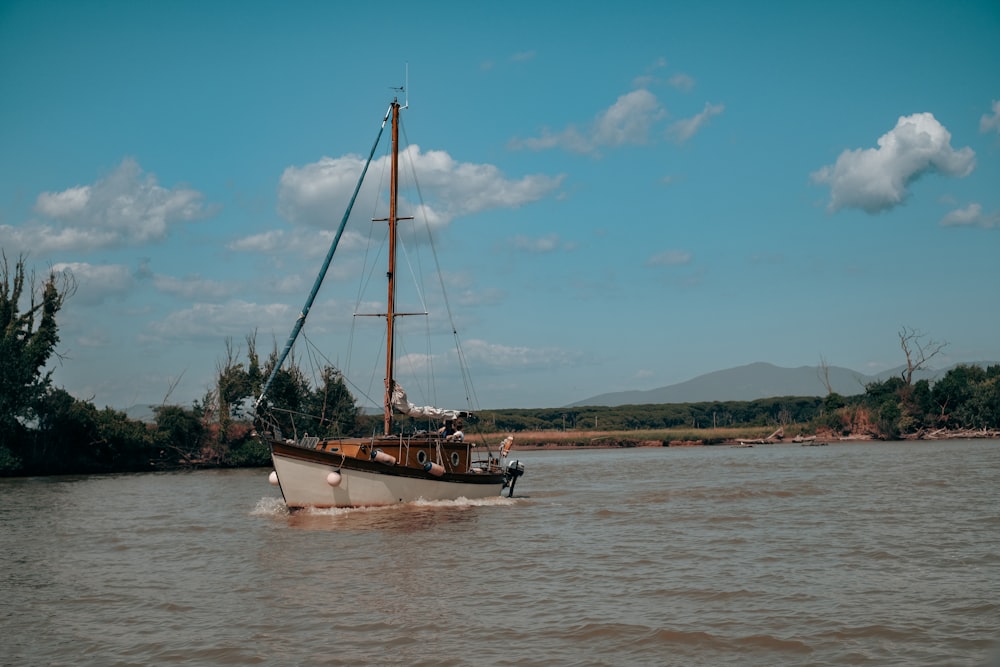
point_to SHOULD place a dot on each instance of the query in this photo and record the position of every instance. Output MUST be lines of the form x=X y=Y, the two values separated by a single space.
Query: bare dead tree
x=171 y=386
x=918 y=351
x=824 y=374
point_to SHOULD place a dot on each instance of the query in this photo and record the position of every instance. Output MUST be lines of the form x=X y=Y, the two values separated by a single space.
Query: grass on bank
x=644 y=437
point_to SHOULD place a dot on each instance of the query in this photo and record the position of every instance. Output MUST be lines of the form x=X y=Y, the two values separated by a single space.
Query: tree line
x=966 y=398
x=45 y=430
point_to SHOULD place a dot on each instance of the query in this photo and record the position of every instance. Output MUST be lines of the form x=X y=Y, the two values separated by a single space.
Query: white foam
x=270 y=506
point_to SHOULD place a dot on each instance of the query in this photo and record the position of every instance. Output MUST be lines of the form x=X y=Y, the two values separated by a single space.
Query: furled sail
x=402 y=405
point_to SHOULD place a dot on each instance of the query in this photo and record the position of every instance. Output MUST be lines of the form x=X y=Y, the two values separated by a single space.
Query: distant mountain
x=757 y=380
x=142 y=413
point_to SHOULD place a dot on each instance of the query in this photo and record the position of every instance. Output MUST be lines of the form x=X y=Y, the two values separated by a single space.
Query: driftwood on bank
x=777 y=436
x=952 y=434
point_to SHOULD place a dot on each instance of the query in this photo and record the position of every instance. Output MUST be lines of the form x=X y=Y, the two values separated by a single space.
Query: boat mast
x=390 y=315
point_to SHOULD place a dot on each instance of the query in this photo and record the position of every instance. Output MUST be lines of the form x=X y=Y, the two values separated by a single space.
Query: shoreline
x=539 y=440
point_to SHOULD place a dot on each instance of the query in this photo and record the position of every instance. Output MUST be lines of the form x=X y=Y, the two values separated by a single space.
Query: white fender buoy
x=435 y=469
x=333 y=479
x=273 y=478
x=505 y=446
x=382 y=457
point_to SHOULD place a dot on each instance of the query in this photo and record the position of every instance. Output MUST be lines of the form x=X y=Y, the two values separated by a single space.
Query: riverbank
x=544 y=440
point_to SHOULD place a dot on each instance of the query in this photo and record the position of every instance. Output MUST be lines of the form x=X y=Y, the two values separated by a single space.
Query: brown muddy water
x=848 y=554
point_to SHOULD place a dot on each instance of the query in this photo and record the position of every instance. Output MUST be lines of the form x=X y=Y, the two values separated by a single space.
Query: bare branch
x=918 y=351
x=173 y=385
x=824 y=374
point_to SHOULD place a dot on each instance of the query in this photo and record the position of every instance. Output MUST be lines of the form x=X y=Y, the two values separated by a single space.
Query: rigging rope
x=470 y=397
x=301 y=320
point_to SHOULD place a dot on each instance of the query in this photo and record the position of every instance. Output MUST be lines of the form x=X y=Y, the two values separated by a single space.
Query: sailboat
x=395 y=465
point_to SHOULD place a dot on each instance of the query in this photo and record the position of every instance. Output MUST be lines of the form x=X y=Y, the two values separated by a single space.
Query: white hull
x=305 y=484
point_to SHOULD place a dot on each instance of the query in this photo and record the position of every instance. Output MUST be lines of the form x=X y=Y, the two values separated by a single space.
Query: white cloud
x=971 y=216
x=63 y=204
x=127 y=207
x=682 y=130
x=490 y=296
x=191 y=287
x=991 y=122
x=216 y=321
x=94 y=338
x=542 y=244
x=464 y=188
x=483 y=354
x=670 y=258
x=681 y=81
x=462 y=289
x=291 y=284
x=263 y=242
x=128 y=204
x=626 y=122
x=317 y=194
x=876 y=179
x=43 y=239
x=650 y=77
x=299 y=242
x=97 y=282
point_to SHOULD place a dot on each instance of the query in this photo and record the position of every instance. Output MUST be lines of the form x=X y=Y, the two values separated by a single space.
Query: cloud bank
x=317 y=194
x=127 y=207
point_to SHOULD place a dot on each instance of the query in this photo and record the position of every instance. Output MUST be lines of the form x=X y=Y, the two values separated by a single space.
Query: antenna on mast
x=405 y=88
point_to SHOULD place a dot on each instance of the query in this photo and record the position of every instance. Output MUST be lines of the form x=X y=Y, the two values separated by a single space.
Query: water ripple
x=875 y=554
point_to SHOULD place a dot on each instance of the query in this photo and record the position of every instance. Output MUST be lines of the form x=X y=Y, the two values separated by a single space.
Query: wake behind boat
x=393 y=466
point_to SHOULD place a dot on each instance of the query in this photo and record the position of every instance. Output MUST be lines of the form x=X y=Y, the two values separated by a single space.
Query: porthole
x=421 y=457
x=454 y=458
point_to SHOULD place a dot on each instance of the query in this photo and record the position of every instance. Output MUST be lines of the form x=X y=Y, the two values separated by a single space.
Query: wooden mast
x=390 y=316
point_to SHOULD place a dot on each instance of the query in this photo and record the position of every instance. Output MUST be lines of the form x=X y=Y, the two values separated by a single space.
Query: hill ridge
x=760 y=380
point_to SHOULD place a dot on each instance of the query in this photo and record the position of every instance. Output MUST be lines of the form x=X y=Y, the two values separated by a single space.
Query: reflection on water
x=851 y=554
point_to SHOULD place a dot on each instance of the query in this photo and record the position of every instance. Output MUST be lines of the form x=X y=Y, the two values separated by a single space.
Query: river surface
x=847 y=554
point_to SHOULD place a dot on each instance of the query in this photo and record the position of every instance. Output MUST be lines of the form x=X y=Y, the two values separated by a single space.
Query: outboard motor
x=514 y=470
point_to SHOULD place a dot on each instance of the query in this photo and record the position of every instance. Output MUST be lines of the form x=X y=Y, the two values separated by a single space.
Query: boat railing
x=309 y=441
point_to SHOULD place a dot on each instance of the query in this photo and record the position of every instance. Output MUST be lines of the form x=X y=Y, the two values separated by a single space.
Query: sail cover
x=402 y=405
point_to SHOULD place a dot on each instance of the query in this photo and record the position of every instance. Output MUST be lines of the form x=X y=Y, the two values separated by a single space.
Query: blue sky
x=624 y=196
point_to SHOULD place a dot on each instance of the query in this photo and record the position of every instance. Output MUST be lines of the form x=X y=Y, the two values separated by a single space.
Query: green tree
x=953 y=392
x=969 y=397
x=332 y=404
x=983 y=409
x=288 y=398
x=237 y=383
x=28 y=340
x=883 y=401
x=179 y=434
x=67 y=438
x=72 y=436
